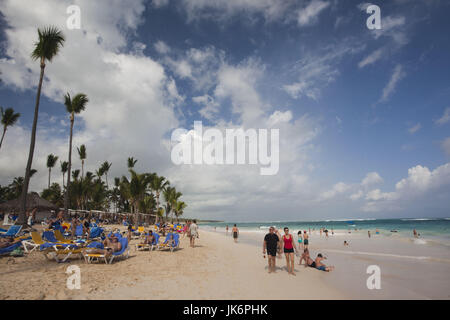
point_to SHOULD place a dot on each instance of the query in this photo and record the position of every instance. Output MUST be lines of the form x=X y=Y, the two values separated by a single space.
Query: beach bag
x=18 y=252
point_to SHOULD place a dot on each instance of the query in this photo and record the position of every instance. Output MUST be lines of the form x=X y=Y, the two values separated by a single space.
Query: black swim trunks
x=306 y=241
x=288 y=250
x=272 y=252
x=235 y=235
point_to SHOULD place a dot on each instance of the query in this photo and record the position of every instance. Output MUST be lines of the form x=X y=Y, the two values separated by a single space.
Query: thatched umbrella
x=33 y=201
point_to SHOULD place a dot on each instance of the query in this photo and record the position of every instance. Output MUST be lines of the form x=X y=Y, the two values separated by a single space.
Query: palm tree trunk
x=23 y=203
x=64 y=178
x=157 y=207
x=69 y=168
x=49 y=173
x=3 y=136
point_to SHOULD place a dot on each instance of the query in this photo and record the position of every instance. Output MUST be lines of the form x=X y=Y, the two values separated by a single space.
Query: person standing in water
x=271 y=244
x=235 y=232
x=288 y=248
x=368 y=233
x=226 y=230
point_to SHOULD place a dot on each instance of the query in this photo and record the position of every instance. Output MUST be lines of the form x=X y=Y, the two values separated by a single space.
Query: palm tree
x=82 y=154
x=9 y=118
x=171 y=195
x=131 y=162
x=105 y=168
x=51 y=161
x=158 y=184
x=179 y=208
x=50 y=41
x=73 y=106
x=64 y=167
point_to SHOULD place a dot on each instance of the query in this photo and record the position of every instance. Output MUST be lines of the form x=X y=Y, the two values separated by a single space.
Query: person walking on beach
x=226 y=230
x=368 y=233
x=305 y=240
x=193 y=228
x=288 y=248
x=235 y=232
x=271 y=244
x=415 y=233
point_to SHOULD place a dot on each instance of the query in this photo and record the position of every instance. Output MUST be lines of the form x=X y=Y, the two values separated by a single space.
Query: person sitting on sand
x=308 y=261
x=320 y=265
x=304 y=256
x=345 y=243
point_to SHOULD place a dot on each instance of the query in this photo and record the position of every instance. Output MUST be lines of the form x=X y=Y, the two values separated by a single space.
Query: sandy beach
x=216 y=268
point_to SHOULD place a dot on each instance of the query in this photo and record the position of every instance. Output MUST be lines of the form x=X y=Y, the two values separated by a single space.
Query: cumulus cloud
x=371 y=178
x=446 y=146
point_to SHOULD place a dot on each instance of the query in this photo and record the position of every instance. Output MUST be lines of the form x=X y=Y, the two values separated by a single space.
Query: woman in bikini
x=300 y=240
x=288 y=247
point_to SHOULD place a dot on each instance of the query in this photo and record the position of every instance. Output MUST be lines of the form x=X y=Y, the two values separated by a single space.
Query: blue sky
x=351 y=103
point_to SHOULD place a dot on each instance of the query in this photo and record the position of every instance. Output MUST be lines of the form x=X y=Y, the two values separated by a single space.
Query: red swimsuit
x=288 y=243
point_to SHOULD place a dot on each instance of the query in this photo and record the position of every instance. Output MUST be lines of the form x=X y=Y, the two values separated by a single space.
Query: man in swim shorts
x=271 y=243
x=235 y=232
x=320 y=265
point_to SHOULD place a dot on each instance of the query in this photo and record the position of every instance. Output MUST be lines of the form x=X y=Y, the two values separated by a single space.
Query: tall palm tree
x=105 y=168
x=158 y=184
x=50 y=41
x=131 y=162
x=51 y=161
x=9 y=118
x=82 y=154
x=73 y=106
x=64 y=168
x=179 y=208
x=171 y=196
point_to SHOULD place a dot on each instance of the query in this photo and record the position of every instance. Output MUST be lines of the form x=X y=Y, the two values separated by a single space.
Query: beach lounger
x=151 y=246
x=60 y=238
x=171 y=242
x=13 y=231
x=124 y=252
x=36 y=242
x=62 y=253
x=95 y=232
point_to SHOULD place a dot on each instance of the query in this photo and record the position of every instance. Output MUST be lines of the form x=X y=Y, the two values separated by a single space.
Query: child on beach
x=300 y=239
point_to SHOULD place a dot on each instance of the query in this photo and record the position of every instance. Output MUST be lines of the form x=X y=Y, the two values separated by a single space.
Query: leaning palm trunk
x=3 y=136
x=49 y=174
x=23 y=203
x=66 y=196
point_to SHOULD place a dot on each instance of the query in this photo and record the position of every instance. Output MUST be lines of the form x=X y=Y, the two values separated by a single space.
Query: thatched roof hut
x=33 y=201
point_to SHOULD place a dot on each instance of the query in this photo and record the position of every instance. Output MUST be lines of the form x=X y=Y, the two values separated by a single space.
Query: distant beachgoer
x=300 y=239
x=345 y=243
x=289 y=248
x=235 y=232
x=320 y=265
x=321 y=231
x=332 y=232
x=149 y=238
x=226 y=230
x=377 y=232
x=305 y=240
x=271 y=244
x=193 y=232
x=368 y=233
x=326 y=232
x=415 y=233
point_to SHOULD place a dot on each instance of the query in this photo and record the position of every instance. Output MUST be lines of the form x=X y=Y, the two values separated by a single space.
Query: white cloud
x=309 y=14
x=162 y=47
x=397 y=75
x=357 y=195
x=415 y=128
x=371 y=178
x=337 y=189
x=371 y=58
x=445 y=117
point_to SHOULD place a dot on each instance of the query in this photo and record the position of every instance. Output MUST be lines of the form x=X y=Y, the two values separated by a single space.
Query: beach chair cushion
x=12 y=231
